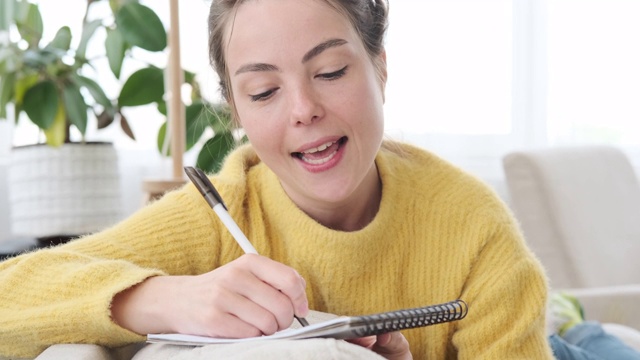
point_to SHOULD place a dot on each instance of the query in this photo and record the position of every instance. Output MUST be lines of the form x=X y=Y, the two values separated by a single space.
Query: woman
x=347 y=223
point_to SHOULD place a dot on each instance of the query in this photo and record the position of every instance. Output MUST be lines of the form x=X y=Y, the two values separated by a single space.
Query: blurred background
x=470 y=80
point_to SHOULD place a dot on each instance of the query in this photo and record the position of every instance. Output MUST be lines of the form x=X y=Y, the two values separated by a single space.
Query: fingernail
x=303 y=309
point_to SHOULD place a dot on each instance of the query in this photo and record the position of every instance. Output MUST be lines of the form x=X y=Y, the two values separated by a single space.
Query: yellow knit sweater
x=439 y=235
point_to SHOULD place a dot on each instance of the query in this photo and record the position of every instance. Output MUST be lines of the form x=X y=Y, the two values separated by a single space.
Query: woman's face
x=308 y=97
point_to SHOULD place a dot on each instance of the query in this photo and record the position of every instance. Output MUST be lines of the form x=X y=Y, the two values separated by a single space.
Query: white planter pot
x=71 y=190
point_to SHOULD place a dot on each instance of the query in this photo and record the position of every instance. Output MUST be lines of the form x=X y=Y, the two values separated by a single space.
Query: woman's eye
x=263 y=96
x=334 y=75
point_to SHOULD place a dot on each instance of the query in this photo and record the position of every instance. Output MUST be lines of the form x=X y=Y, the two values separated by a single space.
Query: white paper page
x=298 y=333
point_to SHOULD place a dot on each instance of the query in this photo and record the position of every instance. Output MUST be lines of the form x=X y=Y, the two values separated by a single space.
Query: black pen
x=213 y=198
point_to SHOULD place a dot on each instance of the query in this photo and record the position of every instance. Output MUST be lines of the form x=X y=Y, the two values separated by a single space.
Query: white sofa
x=579 y=208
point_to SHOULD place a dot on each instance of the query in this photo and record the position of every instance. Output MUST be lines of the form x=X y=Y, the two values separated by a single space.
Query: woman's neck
x=353 y=213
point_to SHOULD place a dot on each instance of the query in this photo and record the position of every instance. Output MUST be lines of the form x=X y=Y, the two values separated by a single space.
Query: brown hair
x=368 y=17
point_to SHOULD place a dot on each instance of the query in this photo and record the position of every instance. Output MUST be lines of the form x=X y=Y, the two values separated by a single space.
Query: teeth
x=319 y=161
x=322 y=147
x=319 y=148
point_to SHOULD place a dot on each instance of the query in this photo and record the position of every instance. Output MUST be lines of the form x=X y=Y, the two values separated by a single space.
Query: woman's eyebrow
x=317 y=50
x=256 y=67
x=322 y=47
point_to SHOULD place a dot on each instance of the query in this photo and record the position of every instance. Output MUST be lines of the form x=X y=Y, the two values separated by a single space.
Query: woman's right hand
x=250 y=296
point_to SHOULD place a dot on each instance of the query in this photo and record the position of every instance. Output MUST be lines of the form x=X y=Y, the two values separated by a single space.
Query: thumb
x=392 y=346
x=384 y=339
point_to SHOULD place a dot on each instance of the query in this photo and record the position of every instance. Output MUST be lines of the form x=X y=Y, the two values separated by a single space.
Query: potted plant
x=210 y=130
x=47 y=84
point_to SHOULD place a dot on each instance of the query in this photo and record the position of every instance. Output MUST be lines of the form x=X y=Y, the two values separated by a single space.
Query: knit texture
x=439 y=235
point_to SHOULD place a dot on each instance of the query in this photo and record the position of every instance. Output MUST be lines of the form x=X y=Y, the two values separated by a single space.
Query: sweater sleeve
x=506 y=292
x=63 y=294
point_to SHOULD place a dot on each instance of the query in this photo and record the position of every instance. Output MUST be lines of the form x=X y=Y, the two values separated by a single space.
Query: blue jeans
x=587 y=341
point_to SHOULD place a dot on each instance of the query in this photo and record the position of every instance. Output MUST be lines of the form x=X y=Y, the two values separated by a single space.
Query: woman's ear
x=383 y=64
x=381 y=68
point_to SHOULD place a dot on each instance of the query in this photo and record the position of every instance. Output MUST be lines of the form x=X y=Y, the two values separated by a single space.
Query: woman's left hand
x=392 y=346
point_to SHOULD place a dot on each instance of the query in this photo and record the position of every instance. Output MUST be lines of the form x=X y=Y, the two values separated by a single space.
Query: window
x=454 y=79
x=473 y=80
x=594 y=71
x=450 y=67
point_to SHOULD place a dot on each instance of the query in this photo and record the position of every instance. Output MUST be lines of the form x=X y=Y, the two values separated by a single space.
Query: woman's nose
x=305 y=106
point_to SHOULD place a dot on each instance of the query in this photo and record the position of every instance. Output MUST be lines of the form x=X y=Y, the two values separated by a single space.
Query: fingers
x=250 y=296
x=256 y=302
x=280 y=277
x=392 y=346
x=226 y=325
x=366 y=342
x=283 y=278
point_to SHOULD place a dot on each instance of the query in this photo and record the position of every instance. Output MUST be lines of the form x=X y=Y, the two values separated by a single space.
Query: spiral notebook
x=343 y=327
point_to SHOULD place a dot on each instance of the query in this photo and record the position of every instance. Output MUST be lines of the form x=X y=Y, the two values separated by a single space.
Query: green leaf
x=7 y=84
x=23 y=84
x=162 y=135
x=189 y=76
x=40 y=58
x=29 y=22
x=21 y=11
x=6 y=12
x=124 y=124
x=75 y=106
x=214 y=151
x=116 y=49
x=105 y=119
x=117 y=4
x=96 y=92
x=141 y=27
x=10 y=58
x=144 y=86
x=57 y=132
x=88 y=29
x=162 y=107
x=41 y=103
x=195 y=127
x=62 y=40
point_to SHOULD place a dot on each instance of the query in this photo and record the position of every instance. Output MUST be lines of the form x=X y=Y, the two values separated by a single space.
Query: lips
x=320 y=154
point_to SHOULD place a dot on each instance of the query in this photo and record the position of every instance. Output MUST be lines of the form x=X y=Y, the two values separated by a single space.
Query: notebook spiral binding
x=410 y=318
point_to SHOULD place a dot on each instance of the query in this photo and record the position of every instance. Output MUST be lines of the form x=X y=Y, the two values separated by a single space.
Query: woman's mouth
x=321 y=154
